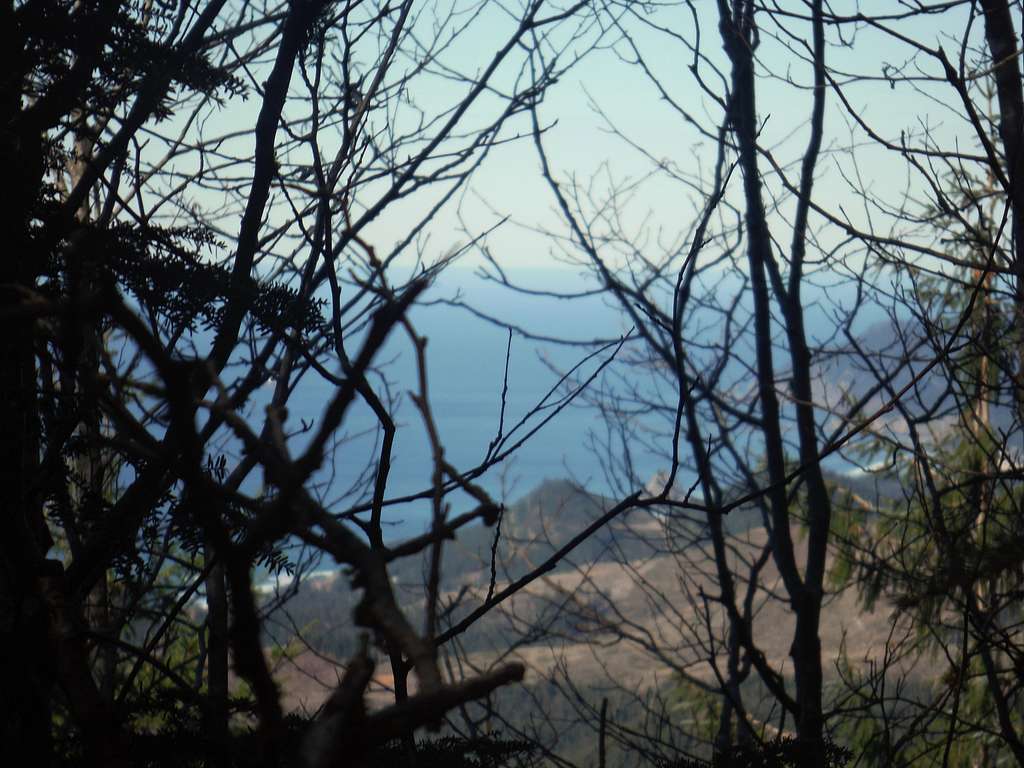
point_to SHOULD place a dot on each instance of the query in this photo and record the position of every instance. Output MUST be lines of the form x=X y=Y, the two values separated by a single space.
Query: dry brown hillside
x=632 y=625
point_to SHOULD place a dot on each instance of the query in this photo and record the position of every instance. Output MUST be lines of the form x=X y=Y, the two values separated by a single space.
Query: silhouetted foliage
x=778 y=753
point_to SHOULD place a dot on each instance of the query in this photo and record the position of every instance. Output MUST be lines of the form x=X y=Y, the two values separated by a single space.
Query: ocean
x=466 y=358
x=466 y=363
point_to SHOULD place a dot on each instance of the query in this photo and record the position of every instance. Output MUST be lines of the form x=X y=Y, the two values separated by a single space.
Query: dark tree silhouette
x=189 y=200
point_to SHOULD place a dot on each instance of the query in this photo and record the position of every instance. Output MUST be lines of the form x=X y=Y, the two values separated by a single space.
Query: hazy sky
x=581 y=146
x=658 y=209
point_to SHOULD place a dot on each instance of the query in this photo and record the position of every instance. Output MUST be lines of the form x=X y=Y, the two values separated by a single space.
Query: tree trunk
x=25 y=667
x=1002 y=43
x=739 y=38
x=216 y=715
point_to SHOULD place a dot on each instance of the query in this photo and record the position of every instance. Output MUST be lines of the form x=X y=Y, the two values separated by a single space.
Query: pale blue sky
x=581 y=147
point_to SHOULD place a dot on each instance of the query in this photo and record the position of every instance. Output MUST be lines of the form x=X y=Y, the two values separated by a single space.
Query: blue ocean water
x=466 y=358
